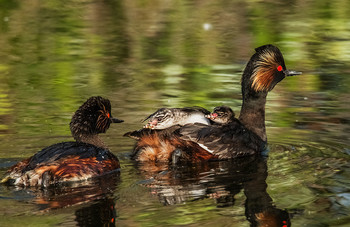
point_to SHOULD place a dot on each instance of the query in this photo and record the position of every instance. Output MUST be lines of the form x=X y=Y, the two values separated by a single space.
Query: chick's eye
x=108 y=115
x=279 y=68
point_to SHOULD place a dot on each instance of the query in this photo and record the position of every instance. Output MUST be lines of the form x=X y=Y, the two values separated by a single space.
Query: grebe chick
x=166 y=117
x=221 y=115
x=243 y=136
x=85 y=158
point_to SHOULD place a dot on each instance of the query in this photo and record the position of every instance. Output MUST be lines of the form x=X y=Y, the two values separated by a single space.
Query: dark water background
x=143 y=55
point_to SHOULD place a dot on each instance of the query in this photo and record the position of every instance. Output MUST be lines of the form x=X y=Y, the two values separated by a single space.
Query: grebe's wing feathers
x=226 y=141
x=59 y=151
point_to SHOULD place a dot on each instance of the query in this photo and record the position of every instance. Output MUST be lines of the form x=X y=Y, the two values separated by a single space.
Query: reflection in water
x=100 y=213
x=220 y=181
x=96 y=197
x=146 y=54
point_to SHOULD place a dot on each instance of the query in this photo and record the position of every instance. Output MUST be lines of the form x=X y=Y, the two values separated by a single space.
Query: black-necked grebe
x=243 y=136
x=71 y=161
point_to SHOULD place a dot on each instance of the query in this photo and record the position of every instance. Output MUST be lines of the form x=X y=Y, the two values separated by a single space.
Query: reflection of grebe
x=78 y=193
x=72 y=161
x=221 y=181
x=100 y=213
x=93 y=200
x=243 y=136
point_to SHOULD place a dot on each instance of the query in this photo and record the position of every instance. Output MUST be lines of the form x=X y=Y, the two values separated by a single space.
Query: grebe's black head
x=265 y=69
x=93 y=117
x=221 y=115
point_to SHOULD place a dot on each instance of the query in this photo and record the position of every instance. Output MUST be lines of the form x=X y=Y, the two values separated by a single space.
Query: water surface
x=143 y=55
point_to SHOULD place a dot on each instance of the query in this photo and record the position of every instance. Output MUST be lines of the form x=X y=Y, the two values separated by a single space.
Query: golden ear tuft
x=262 y=79
x=264 y=72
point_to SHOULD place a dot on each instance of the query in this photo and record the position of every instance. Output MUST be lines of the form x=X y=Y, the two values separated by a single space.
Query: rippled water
x=143 y=55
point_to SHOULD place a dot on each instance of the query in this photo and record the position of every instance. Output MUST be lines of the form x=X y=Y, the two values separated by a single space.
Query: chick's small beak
x=291 y=73
x=116 y=120
x=212 y=116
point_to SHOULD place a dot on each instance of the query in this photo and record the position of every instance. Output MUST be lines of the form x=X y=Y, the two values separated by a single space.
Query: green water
x=143 y=55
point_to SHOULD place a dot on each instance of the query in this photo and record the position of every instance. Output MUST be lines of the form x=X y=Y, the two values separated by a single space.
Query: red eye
x=279 y=68
x=108 y=115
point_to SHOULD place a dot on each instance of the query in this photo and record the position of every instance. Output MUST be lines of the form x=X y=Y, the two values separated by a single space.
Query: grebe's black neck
x=90 y=139
x=252 y=113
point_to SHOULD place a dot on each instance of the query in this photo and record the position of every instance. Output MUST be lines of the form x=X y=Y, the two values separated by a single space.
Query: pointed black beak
x=115 y=120
x=291 y=73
